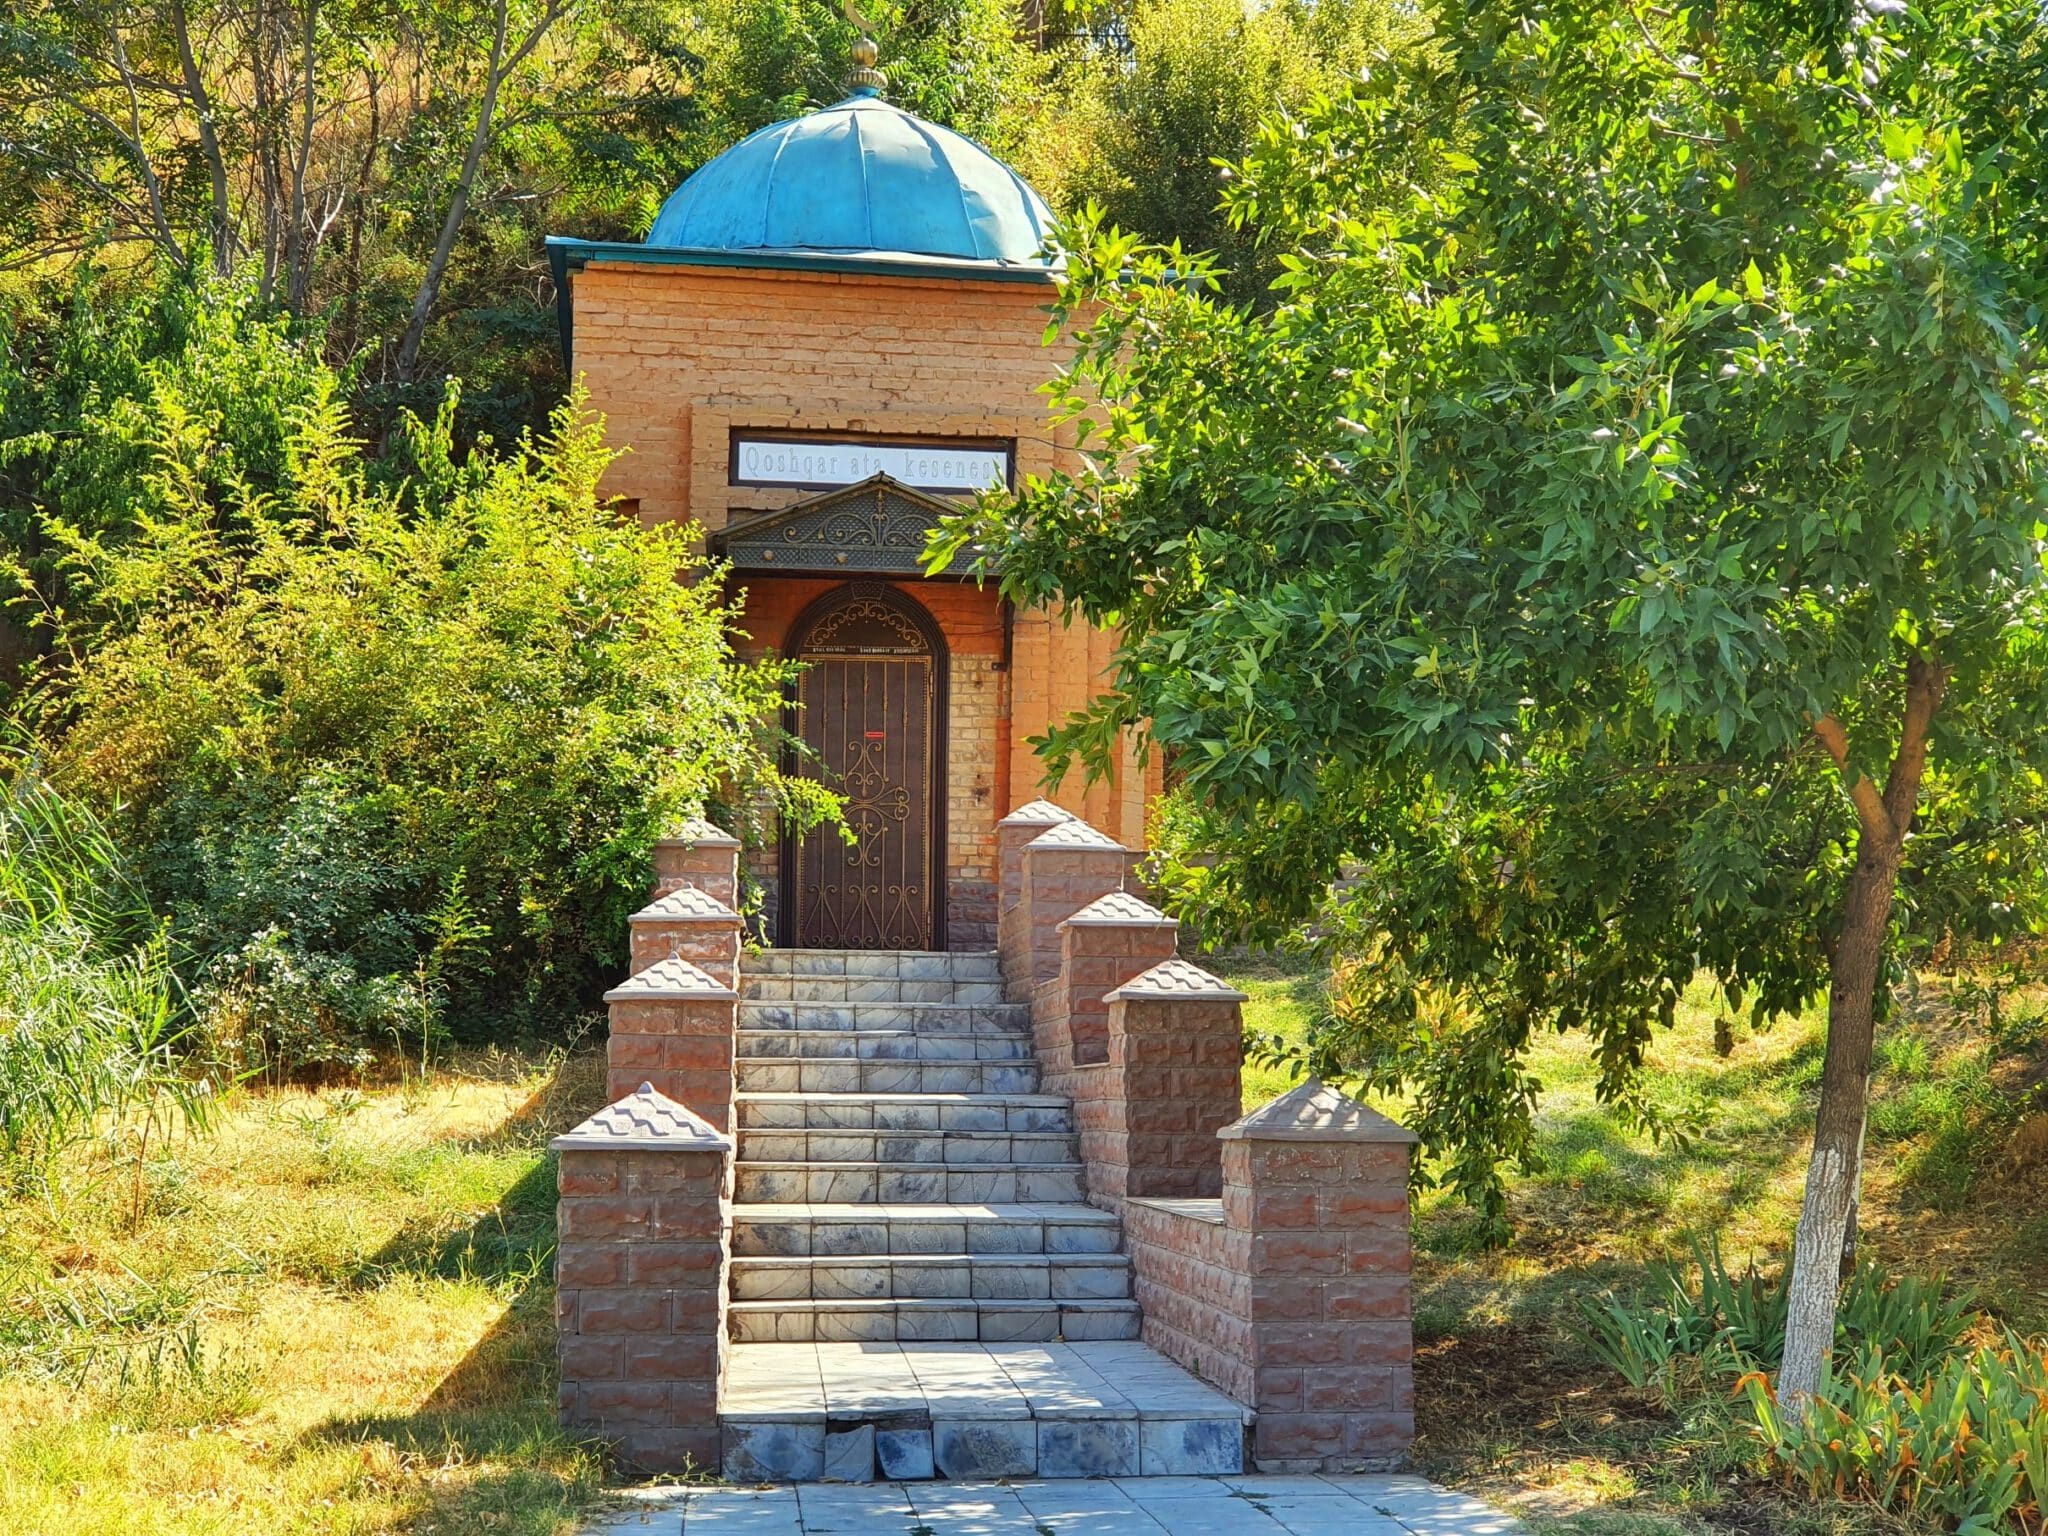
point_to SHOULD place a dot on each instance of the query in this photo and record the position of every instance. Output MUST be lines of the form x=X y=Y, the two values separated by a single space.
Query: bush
x=391 y=748
x=88 y=1013
x=1966 y=1444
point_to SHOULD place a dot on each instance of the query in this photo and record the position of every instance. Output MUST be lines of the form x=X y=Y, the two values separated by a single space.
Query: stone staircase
x=919 y=1287
x=899 y=1175
x=829 y=1225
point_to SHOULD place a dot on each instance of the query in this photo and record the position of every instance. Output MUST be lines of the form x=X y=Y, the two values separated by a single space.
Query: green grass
x=334 y=1317
x=1283 y=993
x=1511 y=1405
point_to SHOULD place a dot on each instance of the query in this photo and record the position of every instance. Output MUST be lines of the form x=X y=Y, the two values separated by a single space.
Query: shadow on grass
x=511 y=1244
x=572 y=1090
x=486 y=1435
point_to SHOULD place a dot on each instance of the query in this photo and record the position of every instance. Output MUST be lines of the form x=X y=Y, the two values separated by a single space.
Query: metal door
x=865 y=706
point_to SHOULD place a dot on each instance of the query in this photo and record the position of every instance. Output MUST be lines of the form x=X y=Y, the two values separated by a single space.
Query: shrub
x=1966 y=1444
x=392 y=748
x=88 y=1013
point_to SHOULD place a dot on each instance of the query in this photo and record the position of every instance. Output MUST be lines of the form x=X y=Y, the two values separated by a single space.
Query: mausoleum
x=949 y=1176
x=833 y=334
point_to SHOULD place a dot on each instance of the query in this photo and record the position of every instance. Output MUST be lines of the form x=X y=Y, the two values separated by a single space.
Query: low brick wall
x=1318 y=1183
x=644 y=1191
x=673 y=1025
x=1270 y=1251
x=702 y=857
x=1193 y=1280
x=688 y=924
x=674 y=1019
x=1065 y=867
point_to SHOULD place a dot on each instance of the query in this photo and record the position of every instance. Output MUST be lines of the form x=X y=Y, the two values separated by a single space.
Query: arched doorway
x=871 y=706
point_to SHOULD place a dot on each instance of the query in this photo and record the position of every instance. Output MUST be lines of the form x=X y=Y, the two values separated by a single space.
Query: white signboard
x=824 y=462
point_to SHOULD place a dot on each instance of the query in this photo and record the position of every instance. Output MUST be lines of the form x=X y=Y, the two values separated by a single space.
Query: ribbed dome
x=859 y=176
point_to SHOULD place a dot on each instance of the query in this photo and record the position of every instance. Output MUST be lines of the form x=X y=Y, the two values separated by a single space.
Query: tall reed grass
x=90 y=1012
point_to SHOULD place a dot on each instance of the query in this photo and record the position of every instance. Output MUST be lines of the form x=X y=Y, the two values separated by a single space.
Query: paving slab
x=1122 y=1506
x=1230 y=1515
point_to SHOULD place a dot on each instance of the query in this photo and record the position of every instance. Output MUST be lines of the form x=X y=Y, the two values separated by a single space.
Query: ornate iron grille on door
x=868 y=704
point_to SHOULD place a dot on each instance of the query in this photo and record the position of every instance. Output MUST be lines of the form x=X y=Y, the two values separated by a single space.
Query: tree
x=1143 y=129
x=385 y=174
x=1619 y=548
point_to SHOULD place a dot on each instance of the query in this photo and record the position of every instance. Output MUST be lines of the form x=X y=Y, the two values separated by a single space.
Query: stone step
x=878 y=990
x=920 y=1018
x=880 y=1045
x=879 y=1076
x=904 y=1112
x=797 y=1230
x=908 y=1183
x=936 y=1276
x=987 y=1322
x=855 y=1412
x=953 y=1149
x=907 y=964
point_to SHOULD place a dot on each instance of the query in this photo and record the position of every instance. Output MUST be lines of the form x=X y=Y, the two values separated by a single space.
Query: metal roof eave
x=753 y=525
x=569 y=255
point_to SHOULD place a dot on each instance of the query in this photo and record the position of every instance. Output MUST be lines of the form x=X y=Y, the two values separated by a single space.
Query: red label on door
x=876 y=735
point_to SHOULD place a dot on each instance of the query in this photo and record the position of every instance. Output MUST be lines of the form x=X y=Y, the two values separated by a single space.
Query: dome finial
x=866 y=80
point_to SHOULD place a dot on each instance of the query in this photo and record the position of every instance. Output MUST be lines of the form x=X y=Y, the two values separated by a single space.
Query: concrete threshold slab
x=879 y=1411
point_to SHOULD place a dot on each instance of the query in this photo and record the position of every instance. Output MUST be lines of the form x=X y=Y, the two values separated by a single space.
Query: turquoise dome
x=858 y=176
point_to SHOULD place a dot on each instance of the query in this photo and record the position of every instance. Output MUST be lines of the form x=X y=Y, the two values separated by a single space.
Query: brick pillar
x=1061 y=870
x=1012 y=833
x=689 y=924
x=1176 y=1053
x=1320 y=1183
x=1102 y=946
x=640 y=1280
x=702 y=856
x=672 y=1026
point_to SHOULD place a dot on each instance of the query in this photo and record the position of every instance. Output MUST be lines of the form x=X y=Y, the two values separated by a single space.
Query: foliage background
x=387 y=740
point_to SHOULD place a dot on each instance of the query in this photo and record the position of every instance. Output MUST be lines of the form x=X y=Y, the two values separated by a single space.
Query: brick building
x=833 y=334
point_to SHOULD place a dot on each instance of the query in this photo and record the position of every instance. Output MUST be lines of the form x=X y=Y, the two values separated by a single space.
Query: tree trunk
x=502 y=64
x=1834 y=1174
x=352 y=304
x=299 y=248
x=1838 y=1125
x=1852 y=1231
x=159 y=220
x=222 y=219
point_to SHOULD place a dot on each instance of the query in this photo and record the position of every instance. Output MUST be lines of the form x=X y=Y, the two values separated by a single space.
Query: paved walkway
x=1130 y=1506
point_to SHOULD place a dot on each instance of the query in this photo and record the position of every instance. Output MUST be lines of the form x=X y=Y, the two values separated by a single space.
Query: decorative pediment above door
x=877 y=525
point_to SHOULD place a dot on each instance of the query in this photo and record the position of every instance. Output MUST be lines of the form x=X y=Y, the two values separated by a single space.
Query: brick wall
x=1192 y=1279
x=673 y=1019
x=1326 y=1212
x=642 y=1210
x=1270 y=1251
x=678 y=357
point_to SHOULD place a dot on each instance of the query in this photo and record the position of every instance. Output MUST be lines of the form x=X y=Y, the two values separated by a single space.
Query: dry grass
x=334 y=1317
